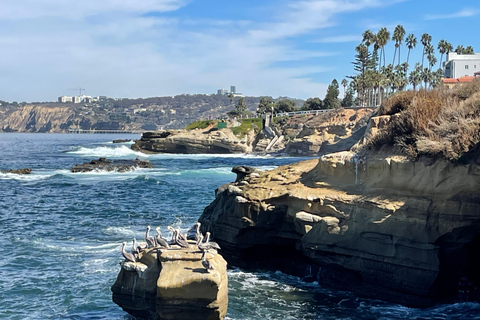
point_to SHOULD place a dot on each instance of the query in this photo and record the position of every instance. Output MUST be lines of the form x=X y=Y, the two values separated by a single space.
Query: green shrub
x=247 y=125
x=201 y=124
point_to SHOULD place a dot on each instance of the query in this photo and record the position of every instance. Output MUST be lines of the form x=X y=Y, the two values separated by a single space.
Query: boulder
x=114 y=165
x=173 y=284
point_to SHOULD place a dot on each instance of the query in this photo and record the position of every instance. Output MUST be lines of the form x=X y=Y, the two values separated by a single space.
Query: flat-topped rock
x=173 y=284
x=113 y=165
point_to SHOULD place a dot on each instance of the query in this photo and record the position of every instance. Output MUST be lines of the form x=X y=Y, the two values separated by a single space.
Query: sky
x=150 y=48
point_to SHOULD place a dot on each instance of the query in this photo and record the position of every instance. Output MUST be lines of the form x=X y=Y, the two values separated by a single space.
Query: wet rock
x=17 y=171
x=114 y=165
x=121 y=140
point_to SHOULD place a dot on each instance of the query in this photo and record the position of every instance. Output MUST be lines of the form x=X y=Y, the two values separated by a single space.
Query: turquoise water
x=62 y=231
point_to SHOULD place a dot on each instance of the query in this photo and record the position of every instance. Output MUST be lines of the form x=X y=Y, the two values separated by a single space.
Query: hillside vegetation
x=438 y=123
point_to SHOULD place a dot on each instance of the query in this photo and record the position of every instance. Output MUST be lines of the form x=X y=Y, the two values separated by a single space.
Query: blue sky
x=135 y=49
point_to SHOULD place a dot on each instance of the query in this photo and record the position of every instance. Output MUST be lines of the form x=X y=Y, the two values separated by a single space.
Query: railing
x=104 y=131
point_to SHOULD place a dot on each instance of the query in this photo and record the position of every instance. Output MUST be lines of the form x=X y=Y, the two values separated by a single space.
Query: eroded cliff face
x=386 y=227
x=37 y=119
x=194 y=141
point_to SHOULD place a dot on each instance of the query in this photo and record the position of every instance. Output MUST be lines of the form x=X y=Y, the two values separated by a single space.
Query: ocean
x=62 y=233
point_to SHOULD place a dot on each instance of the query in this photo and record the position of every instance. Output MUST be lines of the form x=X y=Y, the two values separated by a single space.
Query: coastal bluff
x=385 y=227
x=173 y=285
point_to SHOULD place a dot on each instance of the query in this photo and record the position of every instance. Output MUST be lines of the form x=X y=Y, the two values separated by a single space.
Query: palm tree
x=383 y=36
x=430 y=52
x=469 y=50
x=368 y=38
x=415 y=76
x=426 y=39
x=460 y=49
x=442 y=48
x=344 y=85
x=398 y=35
x=411 y=42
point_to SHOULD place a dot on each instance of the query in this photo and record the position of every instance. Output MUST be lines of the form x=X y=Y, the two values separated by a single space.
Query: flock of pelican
x=178 y=238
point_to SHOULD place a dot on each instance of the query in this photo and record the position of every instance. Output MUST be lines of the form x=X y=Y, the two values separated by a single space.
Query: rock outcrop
x=193 y=141
x=114 y=165
x=173 y=284
x=385 y=227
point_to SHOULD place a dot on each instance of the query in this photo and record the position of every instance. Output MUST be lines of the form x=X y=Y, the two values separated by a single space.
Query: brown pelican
x=160 y=240
x=206 y=264
x=135 y=249
x=212 y=244
x=176 y=239
x=128 y=256
x=149 y=240
x=199 y=240
x=193 y=232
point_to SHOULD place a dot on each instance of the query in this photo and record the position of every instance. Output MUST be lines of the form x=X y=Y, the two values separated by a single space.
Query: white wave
x=122 y=231
x=24 y=177
x=108 y=152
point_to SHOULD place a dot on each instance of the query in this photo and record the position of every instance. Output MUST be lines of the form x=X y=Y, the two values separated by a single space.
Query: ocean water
x=62 y=233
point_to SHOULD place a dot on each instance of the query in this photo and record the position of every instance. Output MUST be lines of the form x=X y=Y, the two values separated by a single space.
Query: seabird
x=199 y=240
x=160 y=240
x=193 y=232
x=206 y=264
x=213 y=244
x=128 y=256
x=150 y=240
x=135 y=249
x=180 y=239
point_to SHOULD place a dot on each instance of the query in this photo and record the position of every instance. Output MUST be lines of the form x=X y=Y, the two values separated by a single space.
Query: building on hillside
x=461 y=65
x=233 y=91
x=79 y=99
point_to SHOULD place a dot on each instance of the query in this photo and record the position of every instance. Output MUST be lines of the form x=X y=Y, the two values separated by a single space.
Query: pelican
x=150 y=240
x=193 y=232
x=206 y=264
x=180 y=239
x=212 y=244
x=127 y=255
x=135 y=249
x=160 y=240
x=199 y=240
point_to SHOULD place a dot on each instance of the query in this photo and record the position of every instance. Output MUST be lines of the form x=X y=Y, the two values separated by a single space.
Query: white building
x=78 y=99
x=461 y=65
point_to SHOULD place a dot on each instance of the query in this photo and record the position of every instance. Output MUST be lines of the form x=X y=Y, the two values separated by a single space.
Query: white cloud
x=340 y=39
x=459 y=14
x=112 y=48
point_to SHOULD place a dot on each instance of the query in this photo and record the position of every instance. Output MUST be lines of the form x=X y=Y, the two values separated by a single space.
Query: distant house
x=450 y=83
x=461 y=65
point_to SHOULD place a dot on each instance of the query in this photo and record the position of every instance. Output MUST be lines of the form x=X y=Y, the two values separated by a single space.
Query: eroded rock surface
x=193 y=141
x=113 y=165
x=400 y=230
x=17 y=171
x=173 y=284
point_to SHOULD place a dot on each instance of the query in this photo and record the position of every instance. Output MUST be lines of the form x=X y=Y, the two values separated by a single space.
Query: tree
x=415 y=77
x=442 y=48
x=285 y=105
x=426 y=39
x=411 y=43
x=469 y=50
x=347 y=101
x=344 y=85
x=231 y=97
x=313 y=104
x=331 y=98
x=241 y=107
x=460 y=49
x=383 y=36
x=398 y=35
x=265 y=106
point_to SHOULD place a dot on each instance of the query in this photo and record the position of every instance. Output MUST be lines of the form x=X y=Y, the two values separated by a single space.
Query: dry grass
x=438 y=123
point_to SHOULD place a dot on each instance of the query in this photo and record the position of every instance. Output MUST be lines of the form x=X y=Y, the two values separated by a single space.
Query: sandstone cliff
x=385 y=227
